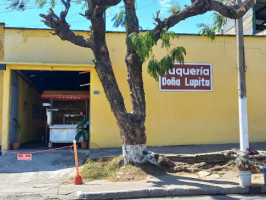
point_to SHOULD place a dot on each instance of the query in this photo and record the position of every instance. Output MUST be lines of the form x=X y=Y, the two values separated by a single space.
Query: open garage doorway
x=47 y=106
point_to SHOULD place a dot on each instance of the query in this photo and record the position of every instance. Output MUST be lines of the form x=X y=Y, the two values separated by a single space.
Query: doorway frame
x=29 y=66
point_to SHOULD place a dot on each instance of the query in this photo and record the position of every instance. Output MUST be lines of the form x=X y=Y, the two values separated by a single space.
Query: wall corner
x=2 y=42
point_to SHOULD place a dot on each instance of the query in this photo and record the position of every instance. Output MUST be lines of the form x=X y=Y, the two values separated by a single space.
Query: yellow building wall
x=1 y=105
x=2 y=43
x=172 y=117
x=103 y=128
x=175 y=118
x=209 y=117
x=2 y=33
x=27 y=97
x=24 y=45
x=5 y=101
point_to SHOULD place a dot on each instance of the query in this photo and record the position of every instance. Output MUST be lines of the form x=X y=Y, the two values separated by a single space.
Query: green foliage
x=143 y=44
x=41 y=3
x=175 y=8
x=218 y=21
x=53 y=3
x=22 y=4
x=177 y=54
x=160 y=68
x=83 y=130
x=165 y=37
x=243 y=163
x=119 y=19
x=18 y=129
x=209 y=31
x=16 y=4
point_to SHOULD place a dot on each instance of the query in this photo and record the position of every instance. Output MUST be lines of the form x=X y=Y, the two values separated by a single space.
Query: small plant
x=18 y=129
x=243 y=163
x=83 y=129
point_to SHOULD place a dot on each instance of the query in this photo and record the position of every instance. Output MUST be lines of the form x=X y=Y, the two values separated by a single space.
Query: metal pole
x=242 y=99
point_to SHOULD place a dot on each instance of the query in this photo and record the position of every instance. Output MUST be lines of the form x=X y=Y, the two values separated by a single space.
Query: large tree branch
x=106 y=3
x=233 y=12
x=202 y=6
x=103 y=64
x=99 y=6
x=134 y=64
x=67 y=6
x=62 y=28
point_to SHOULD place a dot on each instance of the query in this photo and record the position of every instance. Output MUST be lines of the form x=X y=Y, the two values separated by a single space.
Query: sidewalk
x=159 y=187
x=48 y=183
x=171 y=185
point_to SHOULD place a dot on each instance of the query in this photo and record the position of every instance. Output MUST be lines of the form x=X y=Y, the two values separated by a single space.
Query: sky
x=146 y=9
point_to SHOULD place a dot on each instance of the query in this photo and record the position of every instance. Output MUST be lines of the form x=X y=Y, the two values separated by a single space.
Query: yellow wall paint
x=50 y=49
x=2 y=31
x=2 y=42
x=6 y=108
x=49 y=66
x=190 y=117
x=172 y=117
x=27 y=97
x=1 y=98
x=103 y=128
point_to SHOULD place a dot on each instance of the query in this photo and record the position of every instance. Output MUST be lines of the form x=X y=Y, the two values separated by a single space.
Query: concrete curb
x=166 y=192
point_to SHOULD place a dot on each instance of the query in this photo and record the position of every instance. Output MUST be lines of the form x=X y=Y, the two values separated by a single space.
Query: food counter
x=62 y=120
x=62 y=133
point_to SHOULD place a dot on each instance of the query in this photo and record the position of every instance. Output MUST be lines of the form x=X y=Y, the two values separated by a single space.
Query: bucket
x=264 y=172
x=244 y=178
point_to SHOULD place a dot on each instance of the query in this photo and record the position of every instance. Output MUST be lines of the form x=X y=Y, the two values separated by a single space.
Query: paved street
x=214 y=197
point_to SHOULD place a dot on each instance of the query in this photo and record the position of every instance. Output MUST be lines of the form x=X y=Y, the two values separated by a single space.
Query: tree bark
x=132 y=129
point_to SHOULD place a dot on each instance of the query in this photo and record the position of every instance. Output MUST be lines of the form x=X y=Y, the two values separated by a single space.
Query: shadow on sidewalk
x=168 y=180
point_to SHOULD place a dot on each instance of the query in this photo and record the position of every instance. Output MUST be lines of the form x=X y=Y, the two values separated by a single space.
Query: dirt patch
x=113 y=169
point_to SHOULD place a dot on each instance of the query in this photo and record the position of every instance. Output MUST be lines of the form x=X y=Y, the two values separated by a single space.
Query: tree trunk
x=132 y=129
x=133 y=137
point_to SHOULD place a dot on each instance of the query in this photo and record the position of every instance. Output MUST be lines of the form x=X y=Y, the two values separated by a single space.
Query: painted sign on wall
x=187 y=77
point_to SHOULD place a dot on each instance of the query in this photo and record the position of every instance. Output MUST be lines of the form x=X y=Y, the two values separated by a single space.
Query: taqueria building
x=47 y=85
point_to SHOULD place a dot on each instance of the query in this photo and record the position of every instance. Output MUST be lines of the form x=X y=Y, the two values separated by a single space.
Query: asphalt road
x=214 y=197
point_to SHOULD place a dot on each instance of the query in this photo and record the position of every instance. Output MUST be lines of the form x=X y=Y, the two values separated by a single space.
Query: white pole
x=242 y=101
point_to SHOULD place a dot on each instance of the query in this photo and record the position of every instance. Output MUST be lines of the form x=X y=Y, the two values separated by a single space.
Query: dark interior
x=59 y=80
x=260 y=16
